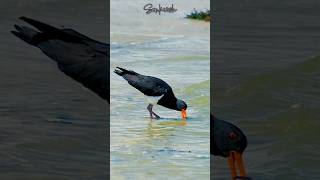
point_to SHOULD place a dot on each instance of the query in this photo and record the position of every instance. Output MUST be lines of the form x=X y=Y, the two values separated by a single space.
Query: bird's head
x=227 y=137
x=182 y=106
x=234 y=141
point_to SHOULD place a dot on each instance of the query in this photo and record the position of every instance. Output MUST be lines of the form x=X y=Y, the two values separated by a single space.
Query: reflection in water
x=174 y=123
x=163 y=129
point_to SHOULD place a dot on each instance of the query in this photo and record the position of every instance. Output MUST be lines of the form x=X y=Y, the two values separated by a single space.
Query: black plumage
x=78 y=56
x=227 y=140
x=152 y=86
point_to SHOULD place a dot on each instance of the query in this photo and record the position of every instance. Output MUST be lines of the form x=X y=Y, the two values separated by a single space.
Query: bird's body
x=153 y=87
x=227 y=140
x=78 y=56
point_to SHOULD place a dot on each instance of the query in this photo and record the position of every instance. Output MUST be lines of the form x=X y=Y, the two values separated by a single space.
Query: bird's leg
x=231 y=162
x=149 y=107
x=156 y=116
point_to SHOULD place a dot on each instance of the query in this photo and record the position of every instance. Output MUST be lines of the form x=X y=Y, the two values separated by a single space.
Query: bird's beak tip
x=184 y=113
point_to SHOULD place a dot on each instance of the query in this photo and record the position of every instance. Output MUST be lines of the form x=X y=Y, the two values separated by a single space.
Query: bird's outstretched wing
x=78 y=56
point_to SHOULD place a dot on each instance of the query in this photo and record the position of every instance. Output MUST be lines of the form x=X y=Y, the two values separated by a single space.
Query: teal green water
x=265 y=80
x=176 y=50
x=279 y=111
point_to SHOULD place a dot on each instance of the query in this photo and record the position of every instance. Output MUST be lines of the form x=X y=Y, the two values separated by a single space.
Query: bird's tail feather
x=121 y=71
x=25 y=33
x=40 y=25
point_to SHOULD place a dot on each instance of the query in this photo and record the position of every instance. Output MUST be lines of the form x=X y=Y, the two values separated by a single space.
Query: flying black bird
x=78 y=56
x=154 y=87
x=227 y=140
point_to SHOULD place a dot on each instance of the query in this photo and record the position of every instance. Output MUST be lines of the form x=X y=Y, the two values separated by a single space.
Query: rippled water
x=176 y=50
x=51 y=127
x=266 y=80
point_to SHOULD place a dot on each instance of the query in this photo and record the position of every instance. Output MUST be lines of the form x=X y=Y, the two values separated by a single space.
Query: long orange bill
x=184 y=113
x=236 y=164
x=240 y=164
x=232 y=166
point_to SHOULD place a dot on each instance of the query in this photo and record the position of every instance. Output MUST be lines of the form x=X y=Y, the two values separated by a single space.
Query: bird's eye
x=232 y=136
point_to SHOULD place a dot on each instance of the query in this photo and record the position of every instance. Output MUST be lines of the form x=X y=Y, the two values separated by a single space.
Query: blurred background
x=265 y=79
x=51 y=127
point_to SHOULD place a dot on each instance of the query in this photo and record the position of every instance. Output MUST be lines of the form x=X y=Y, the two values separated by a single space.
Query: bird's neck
x=168 y=100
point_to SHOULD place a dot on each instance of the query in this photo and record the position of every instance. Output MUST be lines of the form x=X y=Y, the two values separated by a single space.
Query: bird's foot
x=156 y=116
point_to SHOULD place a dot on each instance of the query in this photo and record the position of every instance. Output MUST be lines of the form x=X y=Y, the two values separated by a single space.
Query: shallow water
x=266 y=81
x=176 y=50
x=51 y=127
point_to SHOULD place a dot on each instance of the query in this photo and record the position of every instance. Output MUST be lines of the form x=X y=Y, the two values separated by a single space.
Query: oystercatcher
x=227 y=140
x=78 y=56
x=154 y=87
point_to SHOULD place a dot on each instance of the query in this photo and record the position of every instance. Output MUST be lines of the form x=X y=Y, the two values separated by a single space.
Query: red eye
x=232 y=135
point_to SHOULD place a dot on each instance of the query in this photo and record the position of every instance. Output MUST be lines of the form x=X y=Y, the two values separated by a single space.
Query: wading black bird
x=78 y=56
x=227 y=140
x=154 y=87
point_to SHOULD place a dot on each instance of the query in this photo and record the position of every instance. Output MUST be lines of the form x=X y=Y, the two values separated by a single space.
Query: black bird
x=155 y=87
x=227 y=140
x=78 y=56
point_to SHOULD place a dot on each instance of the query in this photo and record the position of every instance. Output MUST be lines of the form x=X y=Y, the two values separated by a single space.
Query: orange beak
x=184 y=113
x=236 y=164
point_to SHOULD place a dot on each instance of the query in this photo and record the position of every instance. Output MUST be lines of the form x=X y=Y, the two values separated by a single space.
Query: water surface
x=176 y=50
x=266 y=80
